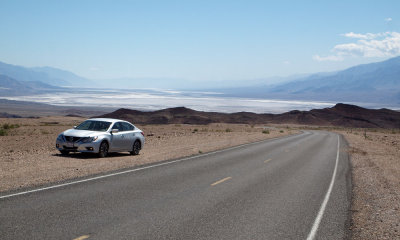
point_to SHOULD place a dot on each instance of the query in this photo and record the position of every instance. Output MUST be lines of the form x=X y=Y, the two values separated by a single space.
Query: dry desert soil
x=29 y=158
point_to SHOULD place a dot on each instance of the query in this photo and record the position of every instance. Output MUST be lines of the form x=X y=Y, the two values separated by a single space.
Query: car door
x=128 y=136
x=117 y=139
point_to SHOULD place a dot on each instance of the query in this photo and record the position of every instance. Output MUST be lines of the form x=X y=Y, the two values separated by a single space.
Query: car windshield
x=94 y=126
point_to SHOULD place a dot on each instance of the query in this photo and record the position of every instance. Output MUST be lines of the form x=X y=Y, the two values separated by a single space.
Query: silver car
x=102 y=136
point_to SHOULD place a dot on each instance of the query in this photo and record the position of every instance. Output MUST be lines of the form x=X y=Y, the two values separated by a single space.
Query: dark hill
x=343 y=115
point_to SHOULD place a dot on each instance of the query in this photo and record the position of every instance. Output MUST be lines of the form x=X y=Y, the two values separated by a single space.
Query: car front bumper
x=77 y=146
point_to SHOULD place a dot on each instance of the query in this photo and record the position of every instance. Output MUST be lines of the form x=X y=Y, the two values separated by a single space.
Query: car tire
x=103 y=150
x=64 y=152
x=136 y=148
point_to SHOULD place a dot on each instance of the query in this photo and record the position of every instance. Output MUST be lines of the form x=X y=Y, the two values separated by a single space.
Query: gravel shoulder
x=375 y=159
x=29 y=157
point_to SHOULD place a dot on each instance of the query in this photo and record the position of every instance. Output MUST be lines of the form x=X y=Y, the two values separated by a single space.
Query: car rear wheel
x=136 y=148
x=103 y=150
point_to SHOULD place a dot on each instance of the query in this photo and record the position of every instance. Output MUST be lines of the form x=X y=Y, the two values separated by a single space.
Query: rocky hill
x=343 y=115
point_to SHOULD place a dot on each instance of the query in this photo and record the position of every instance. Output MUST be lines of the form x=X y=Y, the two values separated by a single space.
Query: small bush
x=265 y=131
x=228 y=130
x=7 y=126
x=195 y=130
x=281 y=131
x=200 y=152
x=3 y=132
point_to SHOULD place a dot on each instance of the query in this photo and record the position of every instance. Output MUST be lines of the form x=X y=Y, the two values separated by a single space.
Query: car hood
x=82 y=133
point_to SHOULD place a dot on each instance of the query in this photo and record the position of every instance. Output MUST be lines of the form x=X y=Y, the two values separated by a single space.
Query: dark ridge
x=7 y=115
x=343 y=115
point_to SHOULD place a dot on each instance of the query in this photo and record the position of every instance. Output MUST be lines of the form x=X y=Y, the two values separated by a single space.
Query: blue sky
x=198 y=40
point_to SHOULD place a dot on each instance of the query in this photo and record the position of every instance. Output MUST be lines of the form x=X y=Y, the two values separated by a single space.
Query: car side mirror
x=74 y=127
x=114 y=131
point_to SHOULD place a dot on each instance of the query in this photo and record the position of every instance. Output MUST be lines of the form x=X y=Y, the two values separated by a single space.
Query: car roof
x=112 y=120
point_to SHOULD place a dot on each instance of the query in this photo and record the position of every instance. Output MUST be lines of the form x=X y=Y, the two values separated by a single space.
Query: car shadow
x=90 y=155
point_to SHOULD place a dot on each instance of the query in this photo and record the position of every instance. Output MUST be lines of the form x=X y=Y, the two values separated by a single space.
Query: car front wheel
x=103 y=151
x=136 y=148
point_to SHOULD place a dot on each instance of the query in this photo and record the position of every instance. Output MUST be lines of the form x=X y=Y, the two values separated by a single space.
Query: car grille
x=72 y=139
x=70 y=148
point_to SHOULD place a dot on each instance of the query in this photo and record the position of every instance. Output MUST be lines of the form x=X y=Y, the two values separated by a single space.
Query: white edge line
x=137 y=169
x=318 y=219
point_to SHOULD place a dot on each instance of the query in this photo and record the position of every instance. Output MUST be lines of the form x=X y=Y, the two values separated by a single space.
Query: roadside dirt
x=375 y=159
x=29 y=156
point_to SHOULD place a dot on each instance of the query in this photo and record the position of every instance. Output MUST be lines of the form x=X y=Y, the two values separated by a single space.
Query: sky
x=198 y=41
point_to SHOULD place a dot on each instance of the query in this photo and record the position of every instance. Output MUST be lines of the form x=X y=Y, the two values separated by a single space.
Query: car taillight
x=142 y=133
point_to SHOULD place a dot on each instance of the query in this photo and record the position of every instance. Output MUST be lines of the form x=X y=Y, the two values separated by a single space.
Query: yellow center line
x=267 y=160
x=220 y=181
x=81 y=237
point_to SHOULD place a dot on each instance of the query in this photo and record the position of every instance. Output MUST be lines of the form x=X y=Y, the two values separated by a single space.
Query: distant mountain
x=64 y=76
x=12 y=87
x=343 y=115
x=373 y=83
x=48 y=75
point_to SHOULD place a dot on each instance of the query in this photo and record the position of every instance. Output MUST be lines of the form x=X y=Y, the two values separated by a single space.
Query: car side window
x=118 y=126
x=127 y=126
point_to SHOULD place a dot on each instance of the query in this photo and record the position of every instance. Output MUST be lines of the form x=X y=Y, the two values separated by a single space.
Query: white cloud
x=385 y=44
x=362 y=36
x=388 y=19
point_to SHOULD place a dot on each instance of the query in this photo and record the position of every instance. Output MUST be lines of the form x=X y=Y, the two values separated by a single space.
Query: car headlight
x=61 y=138
x=88 y=139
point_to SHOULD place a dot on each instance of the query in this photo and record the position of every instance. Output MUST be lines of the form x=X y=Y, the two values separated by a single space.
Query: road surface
x=296 y=187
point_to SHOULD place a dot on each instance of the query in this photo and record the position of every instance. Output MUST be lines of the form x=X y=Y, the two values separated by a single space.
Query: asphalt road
x=296 y=187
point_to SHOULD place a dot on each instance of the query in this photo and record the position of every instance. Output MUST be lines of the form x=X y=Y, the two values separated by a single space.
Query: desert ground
x=29 y=158
x=375 y=159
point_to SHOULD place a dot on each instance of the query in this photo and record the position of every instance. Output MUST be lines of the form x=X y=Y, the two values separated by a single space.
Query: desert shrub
x=281 y=131
x=195 y=130
x=228 y=130
x=3 y=132
x=265 y=131
x=200 y=152
x=7 y=126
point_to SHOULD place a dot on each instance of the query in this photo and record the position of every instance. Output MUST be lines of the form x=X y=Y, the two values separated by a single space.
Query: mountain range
x=11 y=87
x=342 y=115
x=376 y=83
x=372 y=83
x=47 y=75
